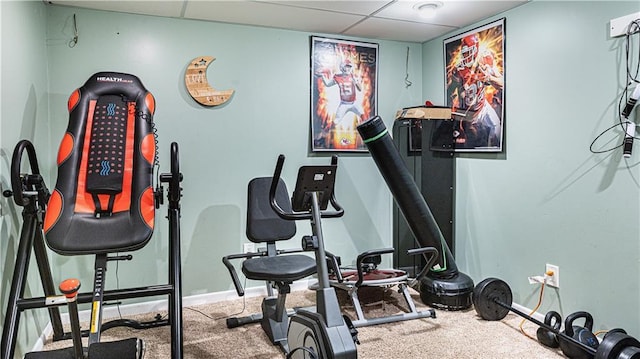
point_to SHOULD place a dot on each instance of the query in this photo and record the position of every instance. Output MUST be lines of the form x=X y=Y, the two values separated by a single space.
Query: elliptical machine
x=324 y=333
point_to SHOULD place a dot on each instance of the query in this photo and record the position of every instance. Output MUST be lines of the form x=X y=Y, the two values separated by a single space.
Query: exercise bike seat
x=264 y=225
x=279 y=268
x=103 y=200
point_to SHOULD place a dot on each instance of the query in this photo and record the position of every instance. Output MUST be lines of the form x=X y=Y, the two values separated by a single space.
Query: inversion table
x=103 y=205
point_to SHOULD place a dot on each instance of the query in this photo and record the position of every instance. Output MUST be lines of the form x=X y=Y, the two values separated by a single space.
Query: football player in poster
x=349 y=85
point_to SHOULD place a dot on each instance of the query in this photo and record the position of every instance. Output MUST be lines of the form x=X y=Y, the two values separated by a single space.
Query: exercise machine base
x=308 y=330
x=447 y=293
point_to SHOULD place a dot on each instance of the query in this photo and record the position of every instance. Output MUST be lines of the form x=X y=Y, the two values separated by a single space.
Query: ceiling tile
x=451 y=13
x=387 y=29
x=146 y=7
x=270 y=15
x=359 y=7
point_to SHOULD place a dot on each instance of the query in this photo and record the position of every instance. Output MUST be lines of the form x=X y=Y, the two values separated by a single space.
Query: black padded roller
x=132 y=348
x=405 y=191
x=66 y=353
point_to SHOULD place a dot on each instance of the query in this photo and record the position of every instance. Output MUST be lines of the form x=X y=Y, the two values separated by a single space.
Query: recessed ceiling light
x=427 y=9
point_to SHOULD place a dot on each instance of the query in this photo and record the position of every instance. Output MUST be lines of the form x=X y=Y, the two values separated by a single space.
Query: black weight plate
x=630 y=353
x=615 y=330
x=613 y=344
x=485 y=295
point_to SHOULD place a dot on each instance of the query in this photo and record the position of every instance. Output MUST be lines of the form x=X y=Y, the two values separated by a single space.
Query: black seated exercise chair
x=279 y=268
x=103 y=205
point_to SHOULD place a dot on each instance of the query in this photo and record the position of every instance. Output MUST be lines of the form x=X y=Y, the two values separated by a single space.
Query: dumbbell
x=492 y=299
x=583 y=335
x=547 y=337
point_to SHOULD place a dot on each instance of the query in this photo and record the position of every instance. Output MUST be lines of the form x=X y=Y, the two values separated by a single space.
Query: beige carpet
x=460 y=334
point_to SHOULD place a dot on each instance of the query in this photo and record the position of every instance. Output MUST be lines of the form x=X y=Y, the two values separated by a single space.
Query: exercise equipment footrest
x=66 y=353
x=132 y=348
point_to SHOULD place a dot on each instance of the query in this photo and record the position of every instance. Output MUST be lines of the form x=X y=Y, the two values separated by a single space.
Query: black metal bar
x=76 y=334
x=546 y=326
x=175 y=297
x=44 y=268
x=321 y=261
x=175 y=271
x=95 y=324
x=110 y=295
x=234 y=273
x=18 y=283
x=368 y=254
x=430 y=261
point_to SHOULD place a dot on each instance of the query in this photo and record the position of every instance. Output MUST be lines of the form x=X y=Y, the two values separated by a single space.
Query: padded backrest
x=103 y=200
x=263 y=223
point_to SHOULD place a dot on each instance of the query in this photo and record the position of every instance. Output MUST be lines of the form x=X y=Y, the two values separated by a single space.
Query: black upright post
x=175 y=262
x=100 y=273
x=18 y=282
x=437 y=178
x=44 y=268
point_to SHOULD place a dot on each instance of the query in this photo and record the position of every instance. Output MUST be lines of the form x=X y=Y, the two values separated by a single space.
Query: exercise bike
x=324 y=333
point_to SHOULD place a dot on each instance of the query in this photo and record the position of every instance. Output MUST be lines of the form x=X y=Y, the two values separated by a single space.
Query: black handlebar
x=176 y=176
x=339 y=212
x=368 y=254
x=294 y=216
x=274 y=186
x=20 y=184
x=173 y=178
x=233 y=273
x=431 y=261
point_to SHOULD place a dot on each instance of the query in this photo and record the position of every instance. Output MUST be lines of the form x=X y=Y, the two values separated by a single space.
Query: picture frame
x=344 y=92
x=474 y=69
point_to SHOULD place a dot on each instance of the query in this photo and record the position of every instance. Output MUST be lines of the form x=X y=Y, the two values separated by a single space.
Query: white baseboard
x=537 y=315
x=46 y=333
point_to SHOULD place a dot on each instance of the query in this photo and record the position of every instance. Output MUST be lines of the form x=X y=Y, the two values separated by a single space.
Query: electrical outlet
x=248 y=247
x=554 y=279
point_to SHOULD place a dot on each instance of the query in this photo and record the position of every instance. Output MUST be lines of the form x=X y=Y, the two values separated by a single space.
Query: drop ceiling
x=384 y=20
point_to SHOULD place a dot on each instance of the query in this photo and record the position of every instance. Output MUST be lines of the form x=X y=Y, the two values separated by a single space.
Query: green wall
x=23 y=115
x=547 y=198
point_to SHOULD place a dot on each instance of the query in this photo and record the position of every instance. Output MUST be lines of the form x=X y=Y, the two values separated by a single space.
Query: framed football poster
x=475 y=88
x=343 y=92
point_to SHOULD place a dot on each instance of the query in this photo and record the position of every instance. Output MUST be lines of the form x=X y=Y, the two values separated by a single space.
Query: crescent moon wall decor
x=196 y=81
